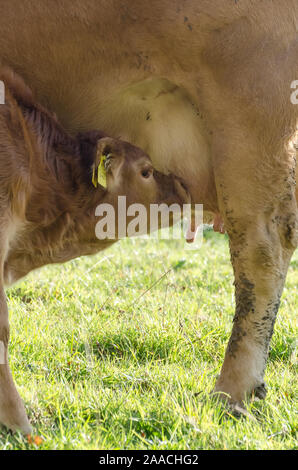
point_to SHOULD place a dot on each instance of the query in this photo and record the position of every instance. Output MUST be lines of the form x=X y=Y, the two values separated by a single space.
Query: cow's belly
x=164 y=120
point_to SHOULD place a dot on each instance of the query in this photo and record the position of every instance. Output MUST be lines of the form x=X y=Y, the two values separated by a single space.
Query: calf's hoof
x=15 y=420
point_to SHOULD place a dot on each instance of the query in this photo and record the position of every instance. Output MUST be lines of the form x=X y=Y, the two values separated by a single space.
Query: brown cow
x=204 y=87
x=48 y=202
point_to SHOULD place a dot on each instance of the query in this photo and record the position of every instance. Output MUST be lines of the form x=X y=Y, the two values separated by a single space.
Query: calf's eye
x=146 y=173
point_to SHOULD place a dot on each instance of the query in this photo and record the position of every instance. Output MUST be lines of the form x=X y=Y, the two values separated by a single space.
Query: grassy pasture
x=109 y=352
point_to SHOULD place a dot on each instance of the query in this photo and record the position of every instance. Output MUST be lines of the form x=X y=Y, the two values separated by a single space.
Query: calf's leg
x=12 y=410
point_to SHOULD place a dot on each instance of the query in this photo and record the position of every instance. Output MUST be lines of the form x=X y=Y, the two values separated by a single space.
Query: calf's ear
x=100 y=156
x=89 y=158
x=109 y=157
x=88 y=142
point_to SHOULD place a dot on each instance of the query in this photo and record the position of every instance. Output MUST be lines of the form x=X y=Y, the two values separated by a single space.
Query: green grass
x=103 y=364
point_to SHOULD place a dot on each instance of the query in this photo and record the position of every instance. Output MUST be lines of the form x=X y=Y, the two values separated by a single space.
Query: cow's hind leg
x=12 y=411
x=257 y=197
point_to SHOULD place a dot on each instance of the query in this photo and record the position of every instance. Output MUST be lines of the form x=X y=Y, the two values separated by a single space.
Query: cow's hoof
x=260 y=391
x=238 y=411
x=232 y=408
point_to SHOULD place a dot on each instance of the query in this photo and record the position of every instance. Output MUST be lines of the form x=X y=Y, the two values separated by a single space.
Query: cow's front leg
x=12 y=411
x=260 y=215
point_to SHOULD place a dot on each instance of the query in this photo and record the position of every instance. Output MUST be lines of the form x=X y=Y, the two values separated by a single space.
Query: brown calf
x=48 y=201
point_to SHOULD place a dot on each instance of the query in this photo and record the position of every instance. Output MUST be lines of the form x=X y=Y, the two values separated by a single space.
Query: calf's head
x=133 y=188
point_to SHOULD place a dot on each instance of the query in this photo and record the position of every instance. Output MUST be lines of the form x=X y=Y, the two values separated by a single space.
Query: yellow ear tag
x=94 y=181
x=101 y=177
x=101 y=172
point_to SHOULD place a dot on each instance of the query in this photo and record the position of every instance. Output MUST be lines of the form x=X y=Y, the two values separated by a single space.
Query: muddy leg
x=12 y=411
x=260 y=215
